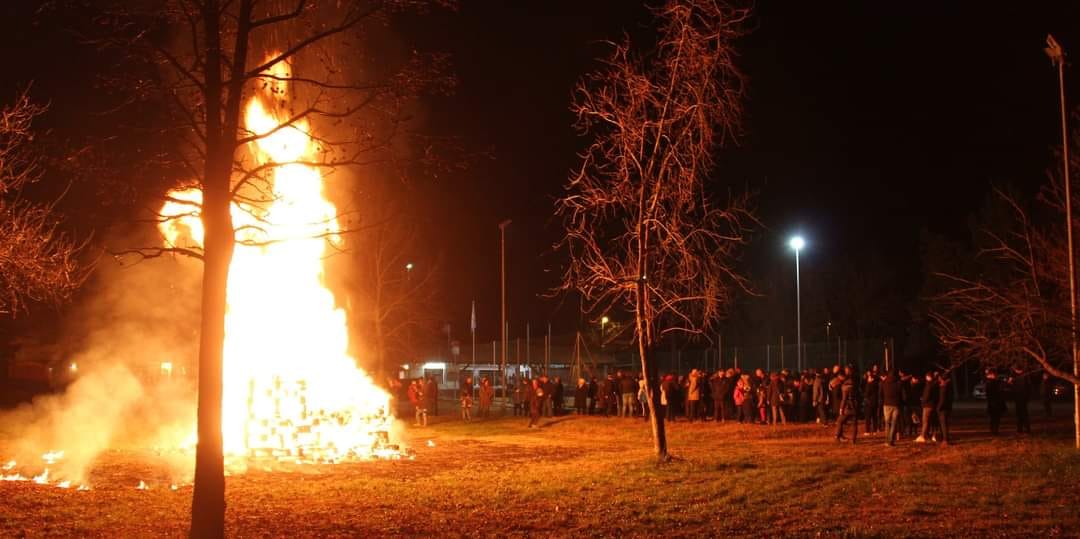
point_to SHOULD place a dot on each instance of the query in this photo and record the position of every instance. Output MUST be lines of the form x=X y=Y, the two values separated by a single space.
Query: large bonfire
x=291 y=389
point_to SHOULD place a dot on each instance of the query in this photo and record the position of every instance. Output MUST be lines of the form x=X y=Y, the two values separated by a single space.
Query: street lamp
x=603 y=322
x=797 y=243
x=1057 y=57
x=502 y=276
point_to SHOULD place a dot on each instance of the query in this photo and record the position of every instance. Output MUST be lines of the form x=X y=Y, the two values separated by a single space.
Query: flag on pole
x=472 y=321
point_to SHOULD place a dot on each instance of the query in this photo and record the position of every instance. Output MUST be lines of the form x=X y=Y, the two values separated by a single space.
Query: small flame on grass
x=174 y=487
x=42 y=479
x=431 y=443
x=64 y=484
x=50 y=457
x=142 y=486
x=13 y=477
x=82 y=488
x=10 y=465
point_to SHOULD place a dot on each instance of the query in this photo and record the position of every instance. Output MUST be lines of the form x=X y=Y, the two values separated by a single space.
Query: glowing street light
x=603 y=322
x=797 y=243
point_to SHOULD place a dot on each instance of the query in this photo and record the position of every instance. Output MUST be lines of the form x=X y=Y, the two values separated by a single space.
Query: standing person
x=643 y=396
x=744 y=399
x=914 y=390
x=628 y=388
x=892 y=404
x=834 y=392
x=820 y=397
x=557 y=395
x=995 y=400
x=592 y=395
x=870 y=401
x=431 y=391
x=776 y=399
x=581 y=397
x=693 y=395
x=806 y=398
x=944 y=406
x=419 y=400
x=487 y=396
x=549 y=396
x=603 y=395
x=536 y=401
x=465 y=396
x=930 y=395
x=847 y=409
x=718 y=383
x=520 y=397
x=761 y=397
x=1021 y=391
x=1046 y=393
x=667 y=397
x=613 y=397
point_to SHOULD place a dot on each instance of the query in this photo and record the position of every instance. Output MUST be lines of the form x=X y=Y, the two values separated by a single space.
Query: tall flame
x=290 y=386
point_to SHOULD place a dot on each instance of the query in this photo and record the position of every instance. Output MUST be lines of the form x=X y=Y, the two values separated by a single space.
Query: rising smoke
x=133 y=338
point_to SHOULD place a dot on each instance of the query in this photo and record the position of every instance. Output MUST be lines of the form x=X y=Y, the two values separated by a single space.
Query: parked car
x=979 y=391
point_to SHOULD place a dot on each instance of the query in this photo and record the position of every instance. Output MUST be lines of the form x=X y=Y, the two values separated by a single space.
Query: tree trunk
x=651 y=371
x=208 y=503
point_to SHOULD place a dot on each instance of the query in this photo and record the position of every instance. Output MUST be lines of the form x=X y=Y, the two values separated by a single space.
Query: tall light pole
x=502 y=273
x=1057 y=57
x=797 y=243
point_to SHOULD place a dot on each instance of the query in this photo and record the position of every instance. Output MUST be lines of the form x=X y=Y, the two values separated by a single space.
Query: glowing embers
x=281 y=424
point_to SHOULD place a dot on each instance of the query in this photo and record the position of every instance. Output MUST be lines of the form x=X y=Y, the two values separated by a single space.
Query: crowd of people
x=893 y=403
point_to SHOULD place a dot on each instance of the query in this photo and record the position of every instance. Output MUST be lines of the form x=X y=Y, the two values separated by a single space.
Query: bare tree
x=204 y=59
x=1010 y=305
x=392 y=293
x=38 y=261
x=642 y=232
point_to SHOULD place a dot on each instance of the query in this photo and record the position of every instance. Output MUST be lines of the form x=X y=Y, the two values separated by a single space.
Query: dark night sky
x=865 y=122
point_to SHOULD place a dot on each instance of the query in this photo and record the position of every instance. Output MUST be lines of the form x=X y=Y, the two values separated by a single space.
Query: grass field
x=596 y=476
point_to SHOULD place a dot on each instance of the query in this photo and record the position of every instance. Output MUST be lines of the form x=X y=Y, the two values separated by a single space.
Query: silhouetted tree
x=203 y=60
x=38 y=261
x=642 y=232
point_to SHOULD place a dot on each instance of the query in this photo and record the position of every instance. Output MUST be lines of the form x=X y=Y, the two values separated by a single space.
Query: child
x=466 y=404
x=762 y=402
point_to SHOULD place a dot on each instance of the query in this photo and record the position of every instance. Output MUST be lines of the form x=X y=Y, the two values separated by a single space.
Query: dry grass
x=595 y=476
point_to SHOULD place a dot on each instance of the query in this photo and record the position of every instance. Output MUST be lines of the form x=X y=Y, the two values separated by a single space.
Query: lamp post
x=502 y=275
x=1057 y=57
x=603 y=322
x=797 y=243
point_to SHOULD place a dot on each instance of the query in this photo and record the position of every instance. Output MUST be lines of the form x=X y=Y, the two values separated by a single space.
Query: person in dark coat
x=628 y=388
x=820 y=396
x=431 y=394
x=871 y=390
x=557 y=397
x=806 y=398
x=847 y=409
x=536 y=401
x=914 y=389
x=834 y=393
x=581 y=397
x=929 y=400
x=716 y=389
x=892 y=404
x=944 y=406
x=995 y=400
x=592 y=395
x=1021 y=392
x=776 y=400
x=603 y=395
